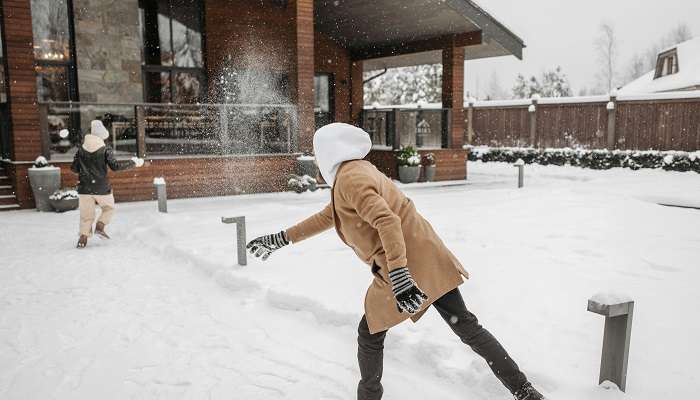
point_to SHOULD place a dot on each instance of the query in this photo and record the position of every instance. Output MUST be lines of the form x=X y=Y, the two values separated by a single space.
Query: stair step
x=8 y=202
x=7 y=207
x=5 y=187
x=8 y=196
x=7 y=192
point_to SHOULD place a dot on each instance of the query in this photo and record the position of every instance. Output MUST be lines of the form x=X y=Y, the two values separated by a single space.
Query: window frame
x=667 y=63
x=70 y=66
x=200 y=72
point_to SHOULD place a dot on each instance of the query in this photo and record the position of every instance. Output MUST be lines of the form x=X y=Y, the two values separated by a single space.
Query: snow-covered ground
x=162 y=311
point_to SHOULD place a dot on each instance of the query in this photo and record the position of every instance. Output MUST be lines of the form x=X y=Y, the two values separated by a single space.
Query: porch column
x=453 y=91
x=21 y=80
x=356 y=92
x=302 y=78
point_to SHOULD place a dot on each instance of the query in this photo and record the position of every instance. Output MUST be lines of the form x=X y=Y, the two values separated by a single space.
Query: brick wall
x=450 y=163
x=185 y=177
x=19 y=56
x=333 y=59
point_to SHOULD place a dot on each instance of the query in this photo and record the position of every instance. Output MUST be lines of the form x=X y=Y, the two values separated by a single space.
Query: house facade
x=221 y=96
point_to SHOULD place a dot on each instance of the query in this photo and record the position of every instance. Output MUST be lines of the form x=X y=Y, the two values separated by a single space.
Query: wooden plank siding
x=639 y=125
x=451 y=163
x=186 y=177
x=21 y=82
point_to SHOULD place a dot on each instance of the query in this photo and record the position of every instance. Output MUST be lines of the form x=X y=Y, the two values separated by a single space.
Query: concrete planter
x=409 y=174
x=64 y=205
x=44 y=182
x=429 y=173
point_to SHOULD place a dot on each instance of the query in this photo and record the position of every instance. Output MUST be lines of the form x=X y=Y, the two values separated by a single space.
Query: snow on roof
x=688 y=74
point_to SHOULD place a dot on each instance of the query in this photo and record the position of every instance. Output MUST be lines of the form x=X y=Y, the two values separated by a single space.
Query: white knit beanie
x=98 y=129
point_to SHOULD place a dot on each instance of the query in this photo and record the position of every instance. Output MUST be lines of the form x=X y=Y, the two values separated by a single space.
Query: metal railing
x=397 y=127
x=171 y=129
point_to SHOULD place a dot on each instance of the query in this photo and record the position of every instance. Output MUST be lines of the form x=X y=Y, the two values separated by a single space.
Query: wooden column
x=302 y=79
x=356 y=92
x=21 y=82
x=453 y=91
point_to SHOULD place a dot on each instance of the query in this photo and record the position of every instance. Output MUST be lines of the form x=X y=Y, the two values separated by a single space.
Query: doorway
x=324 y=99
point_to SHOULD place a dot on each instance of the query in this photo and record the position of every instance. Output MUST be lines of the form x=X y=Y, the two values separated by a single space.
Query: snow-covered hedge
x=594 y=159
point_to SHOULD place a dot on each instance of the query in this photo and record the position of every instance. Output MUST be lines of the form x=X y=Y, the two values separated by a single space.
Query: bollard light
x=520 y=164
x=240 y=237
x=616 y=336
x=162 y=194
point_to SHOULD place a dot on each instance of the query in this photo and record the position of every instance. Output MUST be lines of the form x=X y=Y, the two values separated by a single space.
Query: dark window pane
x=187 y=88
x=52 y=83
x=187 y=33
x=156 y=32
x=158 y=87
x=321 y=93
x=3 y=88
x=50 y=28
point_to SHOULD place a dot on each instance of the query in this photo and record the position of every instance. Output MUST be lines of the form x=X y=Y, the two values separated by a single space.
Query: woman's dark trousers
x=370 y=353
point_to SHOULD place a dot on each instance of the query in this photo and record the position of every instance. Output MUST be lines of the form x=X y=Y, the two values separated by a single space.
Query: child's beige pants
x=88 y=202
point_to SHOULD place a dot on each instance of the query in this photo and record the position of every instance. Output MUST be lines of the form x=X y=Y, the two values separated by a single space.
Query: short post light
x=616 y=336
x=162 y=194
x=240 y=237
x=520 y=164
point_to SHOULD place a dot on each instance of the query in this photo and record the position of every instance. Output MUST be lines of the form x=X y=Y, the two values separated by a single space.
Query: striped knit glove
x=409 y=297
x=265 y=245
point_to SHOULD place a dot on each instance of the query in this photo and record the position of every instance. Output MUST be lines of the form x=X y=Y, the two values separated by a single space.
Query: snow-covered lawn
x=162 y=311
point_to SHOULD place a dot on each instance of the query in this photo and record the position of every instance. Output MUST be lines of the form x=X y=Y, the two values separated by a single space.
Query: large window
x=54 y=53
x=172 y=45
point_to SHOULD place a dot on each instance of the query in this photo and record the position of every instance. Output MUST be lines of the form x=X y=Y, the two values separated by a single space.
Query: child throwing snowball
x=91 y=163
x=412 y=267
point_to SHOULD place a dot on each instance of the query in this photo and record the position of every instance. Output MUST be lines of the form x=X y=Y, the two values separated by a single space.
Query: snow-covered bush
x=428 y=160
x=64 y=194
x=408 y=157
x=301 y=184
x=41 y=162
x=594 y=159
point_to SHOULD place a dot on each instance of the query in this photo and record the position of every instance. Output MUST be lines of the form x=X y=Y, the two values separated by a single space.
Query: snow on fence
x=660 y=121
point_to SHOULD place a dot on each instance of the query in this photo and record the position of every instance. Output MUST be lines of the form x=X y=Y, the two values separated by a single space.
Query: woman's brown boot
x=100 y=230
x=82 y=241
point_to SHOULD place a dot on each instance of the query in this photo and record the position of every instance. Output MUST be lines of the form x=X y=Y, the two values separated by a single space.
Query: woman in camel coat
x=412 y=267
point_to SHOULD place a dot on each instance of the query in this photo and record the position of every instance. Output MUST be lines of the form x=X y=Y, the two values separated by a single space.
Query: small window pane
x=321 y=94
x=187 y=33
x=187 y=88
x=156 y=32
x=50 y=29
x=52 y=83
x=158 y=87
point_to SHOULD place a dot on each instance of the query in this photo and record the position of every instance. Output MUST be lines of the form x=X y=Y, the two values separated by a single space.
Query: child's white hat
x=98 y=129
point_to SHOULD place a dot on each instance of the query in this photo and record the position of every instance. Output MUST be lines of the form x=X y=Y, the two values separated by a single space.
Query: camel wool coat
x=383 y=227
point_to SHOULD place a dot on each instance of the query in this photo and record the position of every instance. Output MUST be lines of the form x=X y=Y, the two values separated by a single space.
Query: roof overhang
x=394 y=33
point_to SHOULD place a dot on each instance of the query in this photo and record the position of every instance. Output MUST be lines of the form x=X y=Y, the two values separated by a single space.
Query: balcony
x=171 y=130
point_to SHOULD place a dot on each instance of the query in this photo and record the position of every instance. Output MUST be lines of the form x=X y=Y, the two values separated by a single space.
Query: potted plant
x=44 y=180
x=428 y=162
x=300 y=184
x=409 y=164
x=64 y=199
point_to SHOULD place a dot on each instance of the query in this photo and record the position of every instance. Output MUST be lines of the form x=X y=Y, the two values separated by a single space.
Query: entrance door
x=323 y=99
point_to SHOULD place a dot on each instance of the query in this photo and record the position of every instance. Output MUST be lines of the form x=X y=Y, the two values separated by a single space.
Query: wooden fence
x=669 y=121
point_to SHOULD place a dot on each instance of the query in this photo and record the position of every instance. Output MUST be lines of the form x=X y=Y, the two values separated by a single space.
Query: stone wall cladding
x=108 y=45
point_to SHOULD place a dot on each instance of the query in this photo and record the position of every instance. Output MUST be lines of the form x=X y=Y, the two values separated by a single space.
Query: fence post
x=44 y=129
x=140 y=117
x=470 y=120
x=612 y=107
x=392 y=132
x=532 y=111
x=161 y=193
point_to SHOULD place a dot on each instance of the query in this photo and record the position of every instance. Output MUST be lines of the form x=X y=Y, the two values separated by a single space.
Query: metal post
x=240 y=237
x=520 y=164
x=162 y=193
x=616 y=339
x=140 y=117
x=611 y=107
